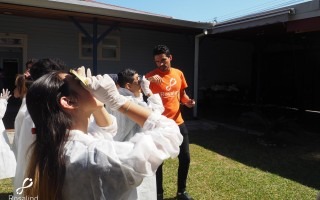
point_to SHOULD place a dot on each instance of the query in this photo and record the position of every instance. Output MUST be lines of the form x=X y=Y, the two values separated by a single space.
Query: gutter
x=289 y=11
x=270 y=17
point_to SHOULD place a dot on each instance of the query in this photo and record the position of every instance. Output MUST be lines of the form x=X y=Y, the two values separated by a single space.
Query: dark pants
x=184 y=162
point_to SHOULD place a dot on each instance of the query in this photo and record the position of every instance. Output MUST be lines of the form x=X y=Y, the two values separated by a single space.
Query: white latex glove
x=80 y=74
x=145 y=86
x=5 y=94
x=105 y=90
x=82 y=71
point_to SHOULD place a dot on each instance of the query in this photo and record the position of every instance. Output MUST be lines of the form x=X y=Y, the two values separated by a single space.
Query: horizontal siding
x=51 y=38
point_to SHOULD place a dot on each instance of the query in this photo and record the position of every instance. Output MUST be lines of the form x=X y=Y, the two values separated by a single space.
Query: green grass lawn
x=226 y=164
x=213 y=176
x=5 y=188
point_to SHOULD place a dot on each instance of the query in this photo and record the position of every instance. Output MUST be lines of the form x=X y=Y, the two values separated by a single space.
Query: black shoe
x=159 y=196
x=184 y=196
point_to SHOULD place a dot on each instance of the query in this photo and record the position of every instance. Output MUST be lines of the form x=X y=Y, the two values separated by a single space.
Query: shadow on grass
x=298 y=161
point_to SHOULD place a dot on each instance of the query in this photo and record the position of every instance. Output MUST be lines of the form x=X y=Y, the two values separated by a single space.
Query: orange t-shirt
x=173 y=82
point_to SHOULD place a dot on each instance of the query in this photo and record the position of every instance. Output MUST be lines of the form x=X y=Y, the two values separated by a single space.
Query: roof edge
x=88 y=8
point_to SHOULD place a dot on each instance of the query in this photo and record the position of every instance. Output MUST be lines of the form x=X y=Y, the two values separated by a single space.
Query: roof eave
x=291 y=13
x=84 y=8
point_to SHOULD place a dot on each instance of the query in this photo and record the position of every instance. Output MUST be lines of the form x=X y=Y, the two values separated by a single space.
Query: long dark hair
x=47 y=164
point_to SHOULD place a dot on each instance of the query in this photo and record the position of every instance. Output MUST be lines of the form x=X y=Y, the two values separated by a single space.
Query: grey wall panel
x=60 y=39
x=46 y=38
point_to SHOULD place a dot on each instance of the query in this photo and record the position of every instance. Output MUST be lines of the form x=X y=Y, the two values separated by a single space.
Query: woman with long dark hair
x=22 y=84
x=69 y=163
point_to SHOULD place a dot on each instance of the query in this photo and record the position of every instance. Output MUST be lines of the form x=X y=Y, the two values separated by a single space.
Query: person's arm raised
x=135 y=112
x=105 y=90
x=102 y=117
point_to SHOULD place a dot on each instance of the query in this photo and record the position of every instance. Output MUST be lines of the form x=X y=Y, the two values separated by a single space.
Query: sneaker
x=159 y=196
x=184 y=196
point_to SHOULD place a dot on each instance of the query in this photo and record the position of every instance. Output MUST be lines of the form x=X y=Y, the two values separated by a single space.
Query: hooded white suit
x=100 y=169
x=18 y=124
x=26 y=139
x=127 y=129
x=7 y=158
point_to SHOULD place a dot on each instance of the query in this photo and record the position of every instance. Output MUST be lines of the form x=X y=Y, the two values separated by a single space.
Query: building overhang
x=85 y=11
x=293 y=19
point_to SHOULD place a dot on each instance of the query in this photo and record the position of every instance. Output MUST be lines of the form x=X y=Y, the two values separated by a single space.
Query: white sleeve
x=106 y=132
x=155 y=103
x=113 y=168
x=7 y=159
x=25 y=141
x=126 y=127
x=159 y=139
x=3 y=107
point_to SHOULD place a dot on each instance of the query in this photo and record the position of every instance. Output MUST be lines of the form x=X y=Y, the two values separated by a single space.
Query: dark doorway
x=10 y=70
x=8 y=75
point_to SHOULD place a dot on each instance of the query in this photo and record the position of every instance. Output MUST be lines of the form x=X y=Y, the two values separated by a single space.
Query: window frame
x=100 y=48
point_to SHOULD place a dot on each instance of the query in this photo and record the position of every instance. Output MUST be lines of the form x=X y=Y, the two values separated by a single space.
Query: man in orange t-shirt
x=170 y=84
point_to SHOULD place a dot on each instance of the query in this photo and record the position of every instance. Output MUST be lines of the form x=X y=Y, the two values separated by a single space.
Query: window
x=10 y=42
x=108 y=48
x=14 y=45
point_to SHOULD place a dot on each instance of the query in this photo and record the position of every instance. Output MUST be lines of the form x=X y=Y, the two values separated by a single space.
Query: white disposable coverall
x=23 y=143
x=127 y=129
x=26 y=139
x=18 y=124
x=7 y=158
x=105 y=169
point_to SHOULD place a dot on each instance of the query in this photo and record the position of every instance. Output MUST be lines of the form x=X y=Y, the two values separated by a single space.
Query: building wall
x=60 y=39
x=224 y=62
x=281 y=70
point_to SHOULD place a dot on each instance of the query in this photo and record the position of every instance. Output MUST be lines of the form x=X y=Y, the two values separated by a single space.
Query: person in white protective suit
x=23 y=123
x=130 y=85
x=7 y=158
x=68 y=163
x=22 y=83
